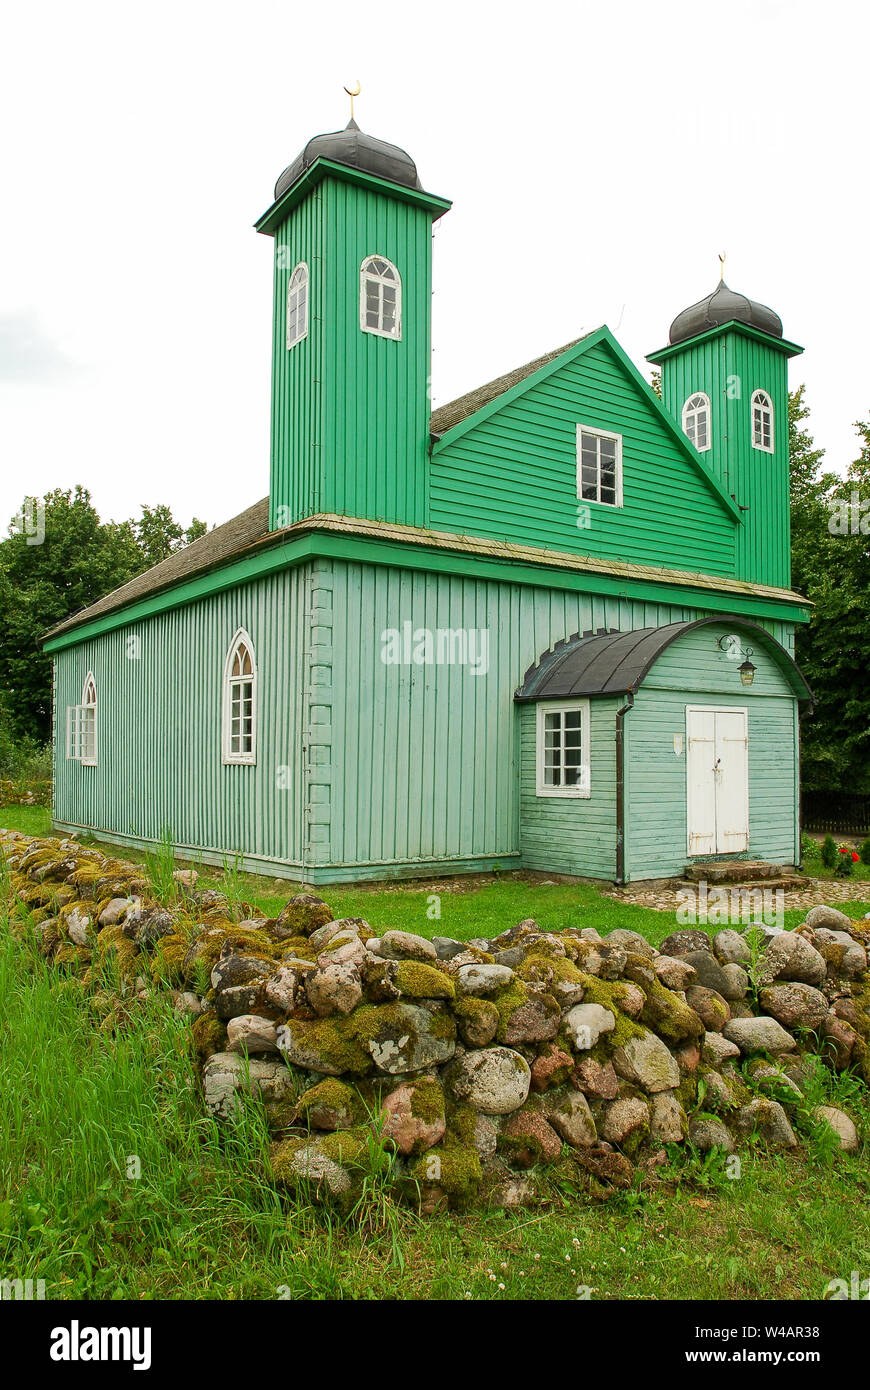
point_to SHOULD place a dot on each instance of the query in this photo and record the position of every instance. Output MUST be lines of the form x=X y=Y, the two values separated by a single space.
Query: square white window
x=562 y=749
x=599 y=466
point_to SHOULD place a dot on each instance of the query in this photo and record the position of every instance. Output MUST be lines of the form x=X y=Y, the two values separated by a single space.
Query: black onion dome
x=720 y=307
x=353 y=147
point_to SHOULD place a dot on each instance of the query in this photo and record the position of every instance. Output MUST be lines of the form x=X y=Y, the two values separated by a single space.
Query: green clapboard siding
x=562 y=835
x=694 y=672
x=514 y=475
x=159 y=727
x=729 y=366
x=350 y=410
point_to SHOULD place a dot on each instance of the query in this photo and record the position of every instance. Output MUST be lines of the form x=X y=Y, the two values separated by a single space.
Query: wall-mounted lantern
x=730 y=644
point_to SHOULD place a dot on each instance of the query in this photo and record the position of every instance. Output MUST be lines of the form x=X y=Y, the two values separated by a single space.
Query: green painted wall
x=729 y=366
x=514 y=476
x=694 y=671
x=562 y=835
x=350 y=410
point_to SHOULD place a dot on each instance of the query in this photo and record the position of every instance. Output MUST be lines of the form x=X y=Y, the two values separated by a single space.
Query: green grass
x=202 y=1222
x=476 y=906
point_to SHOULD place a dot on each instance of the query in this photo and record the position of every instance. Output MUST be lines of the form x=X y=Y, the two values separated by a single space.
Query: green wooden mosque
x=548 y=626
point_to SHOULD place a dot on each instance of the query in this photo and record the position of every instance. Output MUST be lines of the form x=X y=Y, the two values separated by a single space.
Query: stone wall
x=487 y=1068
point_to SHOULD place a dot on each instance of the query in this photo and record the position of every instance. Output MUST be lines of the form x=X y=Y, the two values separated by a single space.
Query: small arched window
x=297 y=305
x=240 y=701
x=81 y=725
x=380 y=298
x=762 y=421
x=696 y=420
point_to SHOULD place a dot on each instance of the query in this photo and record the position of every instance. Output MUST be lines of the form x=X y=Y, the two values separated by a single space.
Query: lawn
x=115 y=1184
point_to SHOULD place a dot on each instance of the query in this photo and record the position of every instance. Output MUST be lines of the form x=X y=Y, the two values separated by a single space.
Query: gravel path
x=821 y=890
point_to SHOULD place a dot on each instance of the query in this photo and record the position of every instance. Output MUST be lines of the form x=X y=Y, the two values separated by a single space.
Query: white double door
x=717 y=779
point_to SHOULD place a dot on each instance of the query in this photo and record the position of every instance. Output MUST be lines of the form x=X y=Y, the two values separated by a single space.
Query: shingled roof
x=446 y=416
x=215 y=548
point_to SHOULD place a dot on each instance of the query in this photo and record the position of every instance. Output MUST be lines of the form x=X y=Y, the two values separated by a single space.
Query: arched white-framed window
x=762 y=421
x=297 y=305
x=696 y=421
x=81 y=725
x=380 y=298
x=240 y=701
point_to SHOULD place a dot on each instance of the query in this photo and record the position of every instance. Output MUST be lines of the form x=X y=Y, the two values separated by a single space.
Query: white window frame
x=395 y=281
x=583 y=788
x=691 y=411
x=762 y=408
x=599 y=434
x=229 y=754
x=81 y=726
x=297 y=292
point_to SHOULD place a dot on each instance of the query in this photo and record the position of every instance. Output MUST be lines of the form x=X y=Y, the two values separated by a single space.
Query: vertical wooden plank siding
x=693 y=671
x=350 y=410
x=729 y=367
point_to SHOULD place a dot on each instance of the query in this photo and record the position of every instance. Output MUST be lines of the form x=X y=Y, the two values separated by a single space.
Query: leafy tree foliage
x=42 y=581
x=831 y=566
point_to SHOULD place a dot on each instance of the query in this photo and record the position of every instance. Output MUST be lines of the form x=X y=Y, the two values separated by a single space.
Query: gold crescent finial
x=352 y=92
x=721 y=265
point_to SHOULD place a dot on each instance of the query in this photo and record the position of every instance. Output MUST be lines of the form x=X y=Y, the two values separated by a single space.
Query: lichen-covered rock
x=251 y=1033
x=794 y=1005
x=586 y=1023
x=718 y=1049
x=551 y=1066
x=324 y=1045
x=674 y=972
x=630 y=941
x=330 y=1105
x=710 y=1006
x=840 y=1040
x=668 y=1123
x=279 y=989
x=226 y=1075
x=333 y=988
x=646 y=1062
x=667 y=1013
x=305 y=1167
x=709 y=971
x=830 y=917
x=529 y=1138
x=479 y=980
x=420 y=981
x=114 y=911
x=528 y=1014
x=768 y=1120
x=842 y=955
x=77 y=923
x=841 y=1124
x=495 y=1080
x=759 y=1035
x=730 y=947
x=738 y=982
x=404 y=1037
x=302 y=915
x=567 y=1110
x=680 y=943
x=413 y=1116
x=146 y=925
x=596 y=1079
x=403 y=945
x=237 y=982
x=625 y=1117
x=477 y=1020
x=605 y=1166
x=707 y=1133
x=789 y=957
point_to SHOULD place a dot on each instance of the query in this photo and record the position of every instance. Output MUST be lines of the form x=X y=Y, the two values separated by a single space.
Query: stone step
x=788 y=882
x=736 y=871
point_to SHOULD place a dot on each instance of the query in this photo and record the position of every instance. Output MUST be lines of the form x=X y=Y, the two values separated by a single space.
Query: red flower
x=854 y=857
x=843 y=849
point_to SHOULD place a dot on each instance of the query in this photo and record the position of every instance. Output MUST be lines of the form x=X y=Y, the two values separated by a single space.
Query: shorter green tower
x=725 y=382
x=351 y=332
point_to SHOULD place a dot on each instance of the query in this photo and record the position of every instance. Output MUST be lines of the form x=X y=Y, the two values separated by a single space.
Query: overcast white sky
x=599 y=157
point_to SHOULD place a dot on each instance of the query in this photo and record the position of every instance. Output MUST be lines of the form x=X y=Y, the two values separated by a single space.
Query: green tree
x=45 y=577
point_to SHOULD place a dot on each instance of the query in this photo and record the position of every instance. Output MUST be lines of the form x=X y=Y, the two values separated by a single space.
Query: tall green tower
x=351 y=332
x=725 y=381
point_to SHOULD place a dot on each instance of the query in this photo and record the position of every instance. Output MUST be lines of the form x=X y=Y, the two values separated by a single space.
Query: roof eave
x=778 y=344
x=320 y=169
